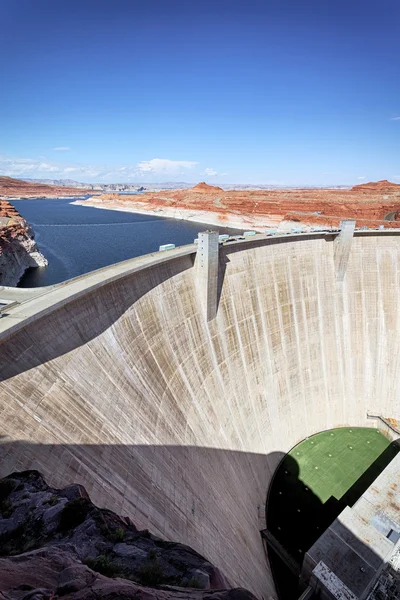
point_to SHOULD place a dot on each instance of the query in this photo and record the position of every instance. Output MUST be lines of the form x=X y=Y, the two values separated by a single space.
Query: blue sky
x=279 y=92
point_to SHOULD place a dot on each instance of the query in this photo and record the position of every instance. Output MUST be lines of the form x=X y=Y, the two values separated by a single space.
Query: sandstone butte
x=371 y=204
x=16 y=188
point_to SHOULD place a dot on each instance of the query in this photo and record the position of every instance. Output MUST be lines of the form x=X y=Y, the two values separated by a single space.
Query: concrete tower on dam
x=172 y=390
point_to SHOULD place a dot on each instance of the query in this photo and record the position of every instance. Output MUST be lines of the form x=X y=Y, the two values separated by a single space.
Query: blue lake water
x=78 y=239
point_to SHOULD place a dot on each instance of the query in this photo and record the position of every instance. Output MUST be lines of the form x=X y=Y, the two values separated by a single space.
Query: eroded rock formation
x=205 y=187
x=18 y=249
x=57 y=543
x=377 y=186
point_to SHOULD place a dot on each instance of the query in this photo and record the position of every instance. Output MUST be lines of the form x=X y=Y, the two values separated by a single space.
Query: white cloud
x=210 y=172
x=164 y=166
x=25 y=166
x=395 y=119
x=47 y=168
x=363 y=177
x=156 y=169
x=61 y=148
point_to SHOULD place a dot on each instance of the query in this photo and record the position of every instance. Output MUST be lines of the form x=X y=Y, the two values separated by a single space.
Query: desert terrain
x=371 y=204
x=16 y=188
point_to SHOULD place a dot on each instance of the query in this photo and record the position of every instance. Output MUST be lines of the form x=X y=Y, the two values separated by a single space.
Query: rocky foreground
x=58 y=544
x=371 y=204
x=18 y=249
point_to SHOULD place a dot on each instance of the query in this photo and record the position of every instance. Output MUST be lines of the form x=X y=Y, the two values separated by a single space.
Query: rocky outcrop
x=18 y=249
x=16 y=188
x=58 y=544
x=377 y=186
x=205 y=187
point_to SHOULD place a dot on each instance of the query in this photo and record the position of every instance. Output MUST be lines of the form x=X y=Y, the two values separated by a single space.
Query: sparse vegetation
x=151 y=573
x=104 y=565
x=74 y=513
x=150 y=563
x=117 y=535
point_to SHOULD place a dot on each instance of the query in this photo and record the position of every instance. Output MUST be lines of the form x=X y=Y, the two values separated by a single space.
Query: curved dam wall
x=179 y=423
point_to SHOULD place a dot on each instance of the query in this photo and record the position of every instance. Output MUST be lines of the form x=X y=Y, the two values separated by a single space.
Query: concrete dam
x=172 y=394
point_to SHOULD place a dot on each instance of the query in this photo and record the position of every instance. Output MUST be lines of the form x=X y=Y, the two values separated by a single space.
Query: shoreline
x=183 y=214
x=14 y=198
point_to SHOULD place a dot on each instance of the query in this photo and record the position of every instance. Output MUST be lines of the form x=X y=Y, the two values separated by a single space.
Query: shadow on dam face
x=180 y=422
x=205 y=499
x=209 y=510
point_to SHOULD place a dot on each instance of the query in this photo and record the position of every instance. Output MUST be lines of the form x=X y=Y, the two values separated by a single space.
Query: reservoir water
x=78 y=239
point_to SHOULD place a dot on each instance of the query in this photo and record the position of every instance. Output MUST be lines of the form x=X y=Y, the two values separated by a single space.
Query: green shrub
x=151 y=573
x=117 y=535
x=74 y=513
x=104 y=565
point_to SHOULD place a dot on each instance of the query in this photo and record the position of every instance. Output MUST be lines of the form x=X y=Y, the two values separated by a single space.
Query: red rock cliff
x=18 y=249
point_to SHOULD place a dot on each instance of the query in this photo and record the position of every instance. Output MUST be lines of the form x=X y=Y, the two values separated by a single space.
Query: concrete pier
x=207 y=265
x=116 y=380
x=343 y=247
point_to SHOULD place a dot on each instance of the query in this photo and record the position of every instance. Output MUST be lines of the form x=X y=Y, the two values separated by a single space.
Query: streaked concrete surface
x=116 y=380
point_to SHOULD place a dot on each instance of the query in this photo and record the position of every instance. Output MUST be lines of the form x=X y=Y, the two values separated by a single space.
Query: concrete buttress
x=207 y=265
x=343 y=247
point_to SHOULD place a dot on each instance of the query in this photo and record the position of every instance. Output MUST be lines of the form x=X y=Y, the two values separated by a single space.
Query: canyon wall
x=18 y=249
